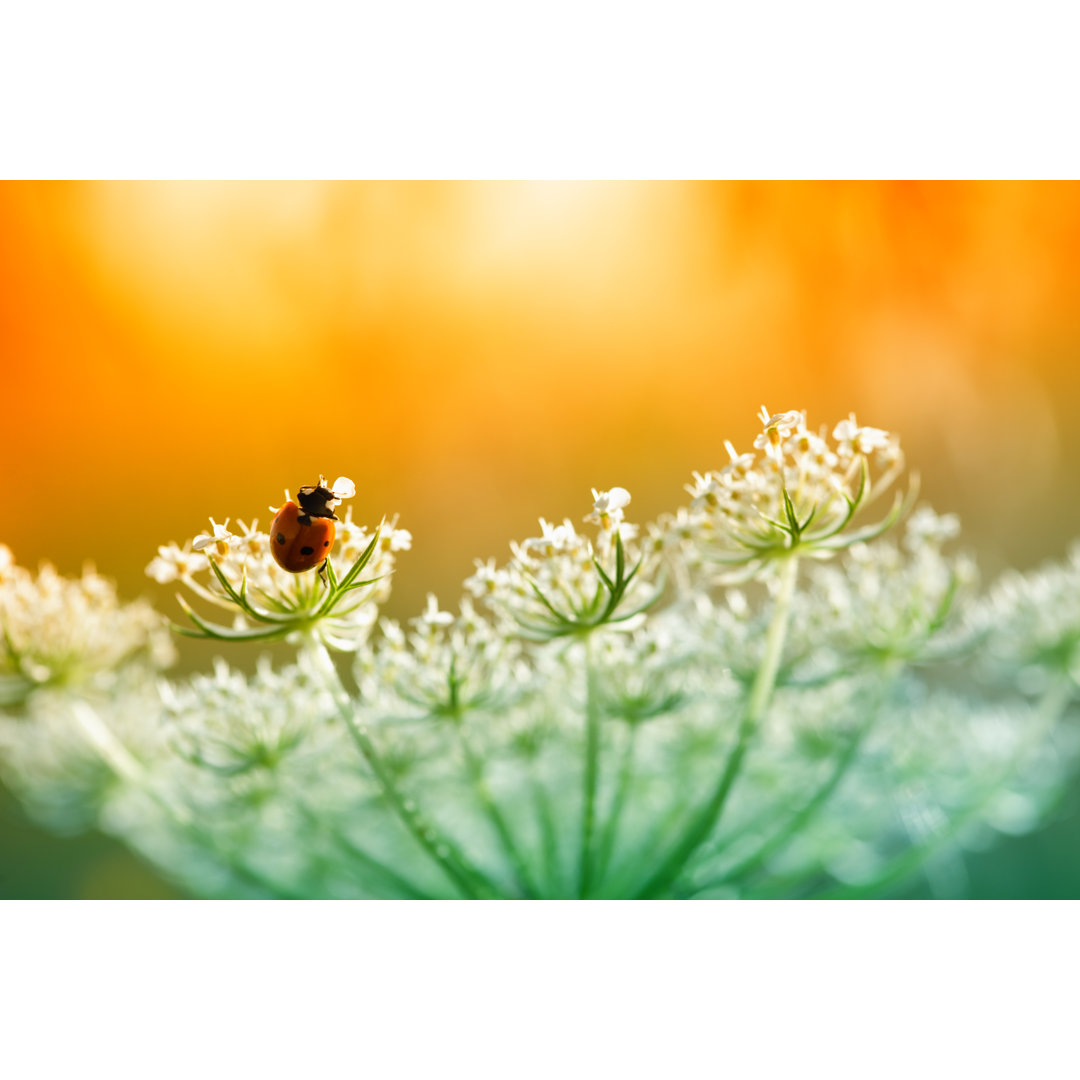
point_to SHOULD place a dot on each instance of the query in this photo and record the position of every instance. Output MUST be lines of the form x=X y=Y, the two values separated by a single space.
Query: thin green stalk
x=705 y=820
x=400 y=885
x=590 y=776
x=618 y=801
x=437 y=846
x=626 y=884
x=522 y=875
x=549 y=837
x=902 y=866
x=753 y=863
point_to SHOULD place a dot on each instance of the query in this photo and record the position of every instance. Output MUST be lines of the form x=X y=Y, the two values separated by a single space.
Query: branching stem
x=704 y=821
x=590 y=775
x=437 y=846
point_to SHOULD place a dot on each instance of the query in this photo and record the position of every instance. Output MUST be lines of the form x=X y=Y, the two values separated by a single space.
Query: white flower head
x=64 y=632
x=239 y=573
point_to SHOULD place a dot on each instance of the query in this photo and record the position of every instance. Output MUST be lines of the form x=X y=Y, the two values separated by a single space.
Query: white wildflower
x=59 y=632
x=268 y=603
x=218 y=537
x=801 y=493
x=608 y=506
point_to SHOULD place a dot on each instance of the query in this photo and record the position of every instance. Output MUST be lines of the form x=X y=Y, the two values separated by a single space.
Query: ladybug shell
x=300 y=542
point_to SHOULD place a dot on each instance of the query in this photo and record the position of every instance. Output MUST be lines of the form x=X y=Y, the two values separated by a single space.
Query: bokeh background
x=475 y=355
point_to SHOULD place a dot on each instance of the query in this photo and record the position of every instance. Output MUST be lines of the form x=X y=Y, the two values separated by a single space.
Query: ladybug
x=301 y=536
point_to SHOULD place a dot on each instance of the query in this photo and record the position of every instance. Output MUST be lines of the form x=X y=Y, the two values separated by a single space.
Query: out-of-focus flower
x=882 y=602
x=58 y=632
x=445 y=666
x=1032 y=626
x=608 y=506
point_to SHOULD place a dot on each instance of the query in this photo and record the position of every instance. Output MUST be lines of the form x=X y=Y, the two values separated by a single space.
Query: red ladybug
x=302 y=536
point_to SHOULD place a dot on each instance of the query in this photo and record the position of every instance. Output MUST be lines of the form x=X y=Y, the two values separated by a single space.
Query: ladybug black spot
x=281 y=538
x=326 y=543
x=307 y=550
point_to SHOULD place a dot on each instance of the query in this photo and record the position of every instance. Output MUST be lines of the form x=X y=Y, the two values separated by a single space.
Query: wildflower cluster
x=758 y=694
x=57 y=632
x=563 y=583
x=1032 y=627
x=798 y=493
x=237 y=573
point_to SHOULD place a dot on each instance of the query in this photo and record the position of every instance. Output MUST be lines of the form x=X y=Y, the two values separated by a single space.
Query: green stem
x=387 y=875
x=437 y=846
x=618 y=801
x=549 y=838
x=590 y=776
x=626 y=883
x=901 y=867
x=705 y=820
x=752 y=864
x=522 y=876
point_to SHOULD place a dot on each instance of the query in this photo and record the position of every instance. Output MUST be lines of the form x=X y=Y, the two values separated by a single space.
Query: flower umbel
x=561 y=583
x=237 y=573
x=801 y=495
x=57 y=632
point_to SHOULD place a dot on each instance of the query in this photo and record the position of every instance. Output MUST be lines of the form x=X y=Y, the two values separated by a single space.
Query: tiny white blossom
x=400 y=539
x=777 y=428
x=343 y=488
x=862 y=440
x=486 y=579
x=926 y=526
x=432 y=616
x=608 y=506
x=220 y=535
x=174 y=563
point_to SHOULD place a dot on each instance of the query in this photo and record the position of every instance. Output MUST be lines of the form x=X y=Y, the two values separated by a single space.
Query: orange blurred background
x=475 y=355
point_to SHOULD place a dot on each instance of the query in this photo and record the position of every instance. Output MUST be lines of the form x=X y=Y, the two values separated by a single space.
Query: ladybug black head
x=317 y=501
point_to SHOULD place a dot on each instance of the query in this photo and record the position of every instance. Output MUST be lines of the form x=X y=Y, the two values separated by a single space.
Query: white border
x=560 y=89
x=228 y=990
